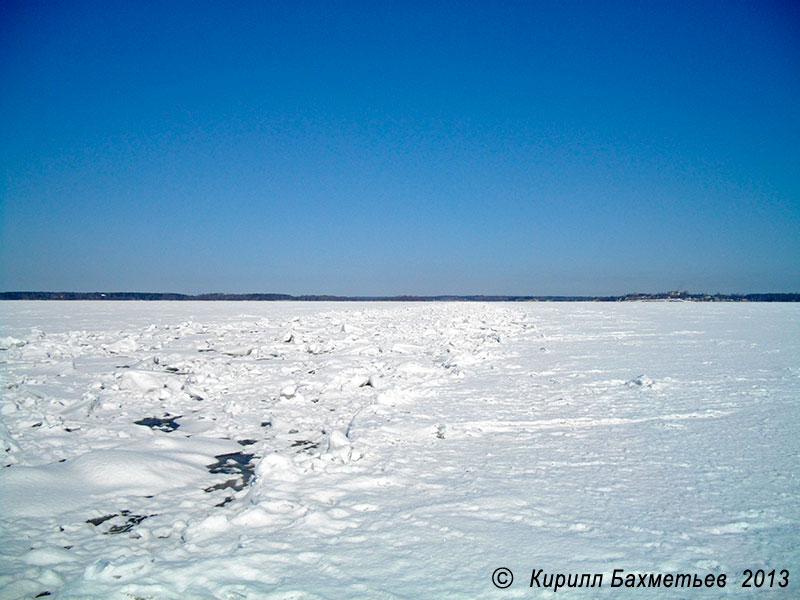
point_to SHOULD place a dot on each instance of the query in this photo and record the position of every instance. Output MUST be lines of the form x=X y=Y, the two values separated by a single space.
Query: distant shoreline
x=157 y=296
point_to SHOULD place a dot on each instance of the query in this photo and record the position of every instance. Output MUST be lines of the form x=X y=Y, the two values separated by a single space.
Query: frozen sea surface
x=288 y=450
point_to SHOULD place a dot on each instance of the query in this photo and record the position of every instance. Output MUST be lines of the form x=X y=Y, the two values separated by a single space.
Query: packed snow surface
x=288 y=450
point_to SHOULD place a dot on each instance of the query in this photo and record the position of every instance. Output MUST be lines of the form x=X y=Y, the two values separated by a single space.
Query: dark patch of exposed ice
x=133 y=521
x=164 y=424
x=305 y=445
x=130 y=522
x=236 y=463
x=641 y=381
x=99 y=520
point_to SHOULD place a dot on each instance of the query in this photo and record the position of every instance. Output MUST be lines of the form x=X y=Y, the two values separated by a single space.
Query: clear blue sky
x=400 y=147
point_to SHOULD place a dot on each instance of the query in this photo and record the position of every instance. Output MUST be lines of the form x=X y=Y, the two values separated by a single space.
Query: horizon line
x=275 y=296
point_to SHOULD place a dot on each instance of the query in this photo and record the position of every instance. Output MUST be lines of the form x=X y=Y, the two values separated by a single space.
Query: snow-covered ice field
x=378 y=450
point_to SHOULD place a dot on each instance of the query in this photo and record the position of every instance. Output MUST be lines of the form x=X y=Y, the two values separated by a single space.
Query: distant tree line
x=675 y=296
